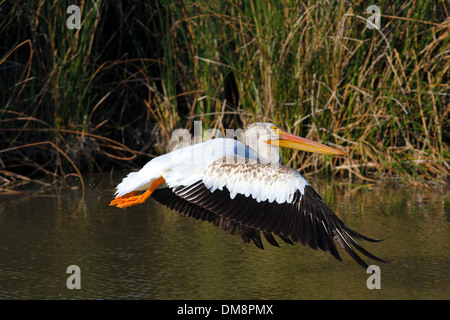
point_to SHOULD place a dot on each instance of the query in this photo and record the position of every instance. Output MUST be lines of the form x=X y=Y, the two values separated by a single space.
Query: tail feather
x=132 y=182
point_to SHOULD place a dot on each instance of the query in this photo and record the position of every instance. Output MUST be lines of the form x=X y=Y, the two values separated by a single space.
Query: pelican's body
x=233 y=184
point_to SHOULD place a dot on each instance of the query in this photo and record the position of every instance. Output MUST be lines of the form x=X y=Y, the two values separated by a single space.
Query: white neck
x=266 y=153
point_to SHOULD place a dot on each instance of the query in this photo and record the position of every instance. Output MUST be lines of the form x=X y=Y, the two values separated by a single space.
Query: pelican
x=243 y=186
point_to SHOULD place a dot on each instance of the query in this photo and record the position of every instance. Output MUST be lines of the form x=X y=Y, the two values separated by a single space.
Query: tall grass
x=112 y=92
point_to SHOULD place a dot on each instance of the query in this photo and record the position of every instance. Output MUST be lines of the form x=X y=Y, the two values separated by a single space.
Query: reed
x=110 y=94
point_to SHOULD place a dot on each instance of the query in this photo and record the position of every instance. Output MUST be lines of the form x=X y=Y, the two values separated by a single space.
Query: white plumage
x=183 y=166
x=261 y=182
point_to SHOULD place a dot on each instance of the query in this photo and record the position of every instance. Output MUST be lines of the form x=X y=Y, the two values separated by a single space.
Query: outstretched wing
x=168 y=198
x=272 y=199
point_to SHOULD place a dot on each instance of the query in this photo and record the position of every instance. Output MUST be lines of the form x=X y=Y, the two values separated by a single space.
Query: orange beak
x=291 y=141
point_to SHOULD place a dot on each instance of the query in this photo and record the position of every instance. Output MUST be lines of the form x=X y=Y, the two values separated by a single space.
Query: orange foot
x=121 y=199
x=133 y=198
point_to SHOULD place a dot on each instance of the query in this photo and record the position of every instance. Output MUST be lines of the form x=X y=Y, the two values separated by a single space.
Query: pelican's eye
x=276 y=130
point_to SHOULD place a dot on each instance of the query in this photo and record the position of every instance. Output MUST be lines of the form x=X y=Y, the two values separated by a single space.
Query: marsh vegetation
x=109 y=95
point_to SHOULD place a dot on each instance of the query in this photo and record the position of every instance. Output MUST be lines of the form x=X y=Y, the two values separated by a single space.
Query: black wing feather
x=306 y=220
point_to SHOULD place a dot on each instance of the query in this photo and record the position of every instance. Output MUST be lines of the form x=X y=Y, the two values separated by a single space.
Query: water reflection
x=150 y=252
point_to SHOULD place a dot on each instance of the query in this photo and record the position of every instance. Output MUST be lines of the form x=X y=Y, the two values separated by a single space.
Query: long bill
x=291 y=141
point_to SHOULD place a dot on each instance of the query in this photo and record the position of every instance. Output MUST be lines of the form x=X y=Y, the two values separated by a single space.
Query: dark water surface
x=150 y=252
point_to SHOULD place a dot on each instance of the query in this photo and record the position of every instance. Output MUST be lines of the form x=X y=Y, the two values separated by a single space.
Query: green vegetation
x=110 y=94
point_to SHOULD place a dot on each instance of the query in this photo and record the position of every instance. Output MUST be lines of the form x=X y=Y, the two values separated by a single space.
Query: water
x=150 y=252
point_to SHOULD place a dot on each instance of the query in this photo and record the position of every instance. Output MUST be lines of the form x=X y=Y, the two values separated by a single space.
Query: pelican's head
x=265 y=138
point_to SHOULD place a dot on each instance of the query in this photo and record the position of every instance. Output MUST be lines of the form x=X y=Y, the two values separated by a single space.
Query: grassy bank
x=110 y=94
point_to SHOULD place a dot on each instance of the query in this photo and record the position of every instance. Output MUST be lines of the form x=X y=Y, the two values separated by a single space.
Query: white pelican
x=232 y=184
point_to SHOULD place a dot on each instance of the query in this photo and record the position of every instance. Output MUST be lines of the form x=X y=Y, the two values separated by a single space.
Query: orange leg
x=133 y=198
